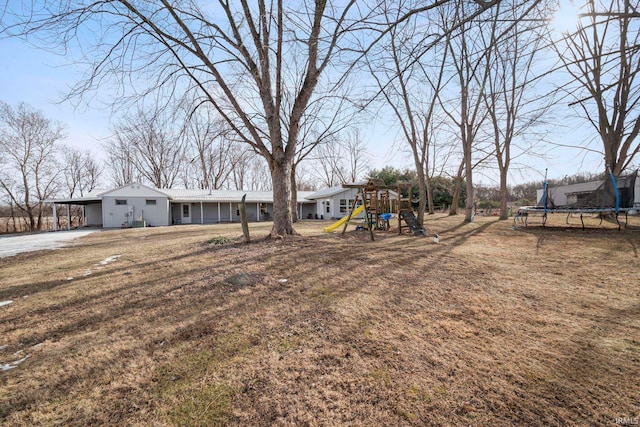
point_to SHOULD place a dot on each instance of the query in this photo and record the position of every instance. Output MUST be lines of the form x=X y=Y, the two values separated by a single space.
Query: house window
x=328 y=210
x=120 y=202
x=151 y=202
x=185 y=211
x=347 y=205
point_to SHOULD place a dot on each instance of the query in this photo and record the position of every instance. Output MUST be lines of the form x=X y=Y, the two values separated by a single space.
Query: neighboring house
x=587 y=193
x=137 y=204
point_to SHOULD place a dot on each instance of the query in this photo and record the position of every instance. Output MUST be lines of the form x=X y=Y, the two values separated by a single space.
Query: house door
x=186 y=213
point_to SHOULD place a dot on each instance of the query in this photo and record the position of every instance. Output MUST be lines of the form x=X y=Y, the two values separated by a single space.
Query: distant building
x=594 y=194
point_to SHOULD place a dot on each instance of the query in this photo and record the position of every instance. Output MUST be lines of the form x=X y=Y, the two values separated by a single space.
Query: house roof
x=193 y=195
x=134 y=189
x=332 y=191
x=582 y=187
x=327 y=192
x=180 y=195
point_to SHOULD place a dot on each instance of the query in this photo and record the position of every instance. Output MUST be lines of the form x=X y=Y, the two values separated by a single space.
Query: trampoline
x=614 y=196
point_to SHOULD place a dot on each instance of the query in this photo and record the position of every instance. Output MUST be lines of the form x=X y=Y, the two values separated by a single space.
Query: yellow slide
x=344 y=219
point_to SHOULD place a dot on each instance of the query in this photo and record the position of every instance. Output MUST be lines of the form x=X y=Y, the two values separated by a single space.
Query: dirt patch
x=490 y=326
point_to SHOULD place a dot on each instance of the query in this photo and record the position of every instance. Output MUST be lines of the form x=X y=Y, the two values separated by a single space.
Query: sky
x=41 y=79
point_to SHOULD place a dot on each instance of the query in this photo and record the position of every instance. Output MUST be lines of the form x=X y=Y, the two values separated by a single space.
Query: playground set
x=375 y=200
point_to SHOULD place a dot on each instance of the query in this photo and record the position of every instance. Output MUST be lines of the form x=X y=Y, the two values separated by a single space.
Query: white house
x=337 y=202
x=137 y=204
x=333 y=202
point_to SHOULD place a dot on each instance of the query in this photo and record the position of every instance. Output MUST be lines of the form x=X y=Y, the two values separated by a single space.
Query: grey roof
x=332 y=191
x=582 y=187
x=327 y=192
x=192 y=195
x=136 y=185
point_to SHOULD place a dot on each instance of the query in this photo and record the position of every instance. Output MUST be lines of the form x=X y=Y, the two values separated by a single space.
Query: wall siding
x=123 y=215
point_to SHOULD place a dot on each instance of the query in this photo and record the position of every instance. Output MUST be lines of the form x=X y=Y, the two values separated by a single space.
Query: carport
x=93 y=203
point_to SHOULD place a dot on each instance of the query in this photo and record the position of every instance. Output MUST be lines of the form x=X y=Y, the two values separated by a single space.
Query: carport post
x=55 y=217
x=68 y=217
x=201 y=214
x=258 y=211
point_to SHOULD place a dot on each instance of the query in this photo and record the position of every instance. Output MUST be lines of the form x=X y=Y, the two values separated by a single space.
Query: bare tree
x=81 y=171
x=410 y=89
x=28 y=168
x=156 y=148
x=231 y=56
x=342 y=159
x=329 y=165
x=120 y=159
x=470 y=60
x=514 y=108
x=603 y=58
x=213 y=154
x=357 y=159
x=326 y=116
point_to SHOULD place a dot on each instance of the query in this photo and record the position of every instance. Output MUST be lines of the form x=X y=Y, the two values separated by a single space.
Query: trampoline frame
x=523 y=212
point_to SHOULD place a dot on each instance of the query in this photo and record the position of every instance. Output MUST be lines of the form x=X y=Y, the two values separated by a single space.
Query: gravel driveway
x=15 y=244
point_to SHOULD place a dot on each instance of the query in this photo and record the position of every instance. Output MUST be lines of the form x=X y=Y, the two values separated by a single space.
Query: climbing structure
x=406 y=217
x=377 y=205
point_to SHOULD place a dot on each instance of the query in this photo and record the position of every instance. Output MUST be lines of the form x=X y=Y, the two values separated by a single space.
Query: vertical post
x=230 y=212
x=68 y=217
x=219 y=219
x=243 y=220
x=258 y=211
x=55 y=217
x=615 y=189
x=201 y=213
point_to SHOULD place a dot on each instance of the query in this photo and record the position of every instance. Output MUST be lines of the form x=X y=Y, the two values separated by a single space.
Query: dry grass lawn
x=492 y=326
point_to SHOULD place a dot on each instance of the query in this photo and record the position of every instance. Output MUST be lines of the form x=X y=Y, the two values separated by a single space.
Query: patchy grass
x=493 y=325
x=220 y=240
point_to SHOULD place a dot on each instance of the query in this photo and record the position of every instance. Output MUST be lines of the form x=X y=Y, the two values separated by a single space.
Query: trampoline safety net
x=604 y=196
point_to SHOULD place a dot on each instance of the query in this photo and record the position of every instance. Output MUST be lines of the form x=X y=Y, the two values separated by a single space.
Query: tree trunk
x=40 y=213
x=504 y=214
x=469 y=207
x=294 y=195
x=453 y=210
x=281 y=178
x=243 y=219
x=13 y=218
x=429 y=194
x=455 y=201
x=422 y=190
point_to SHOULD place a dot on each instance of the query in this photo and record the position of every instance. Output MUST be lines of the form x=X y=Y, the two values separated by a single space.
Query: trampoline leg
x=567 y=220
x=544 y=219
x=601 y=216
x=582 y=222
x=617 y=222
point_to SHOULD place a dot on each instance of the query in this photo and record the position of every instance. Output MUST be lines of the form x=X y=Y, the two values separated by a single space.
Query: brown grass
x=492 y=326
